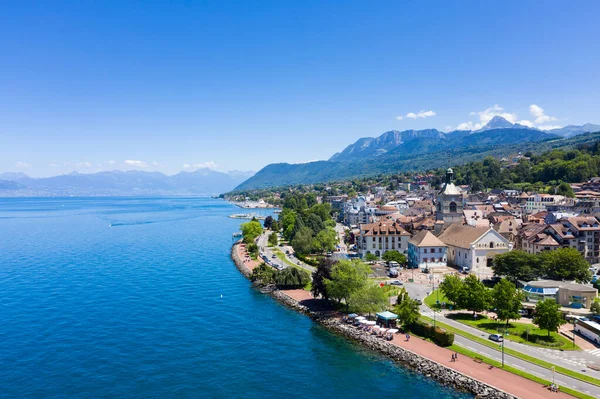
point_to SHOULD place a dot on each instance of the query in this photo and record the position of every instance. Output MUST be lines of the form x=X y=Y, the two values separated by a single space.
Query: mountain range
x=119 y=183
x=397 y=151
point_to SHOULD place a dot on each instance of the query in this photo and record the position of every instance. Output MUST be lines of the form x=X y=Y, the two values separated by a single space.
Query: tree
x=264 y=274
x=347 y=277
x=251 y=230
x=408 y=311
x=302 y=241
x=565 y=189
x=547 y=315
x=369 y=298
x=595 y=307
x=517 y=265
x=474 y=296
x=268 y=222
x=394 y=256
x=321 y=273
x=565 y=264
x=325 y=240
x=292 y=277
x=370 y=257
x=273 y=239
x=507 y=299
x=274 y=226
x=452 y=287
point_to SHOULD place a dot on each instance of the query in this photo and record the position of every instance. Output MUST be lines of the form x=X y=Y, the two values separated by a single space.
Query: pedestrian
x=456 y=357
x=452 y=359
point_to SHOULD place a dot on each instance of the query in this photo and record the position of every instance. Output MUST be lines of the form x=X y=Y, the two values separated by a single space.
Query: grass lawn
x=517 y=354
x=436 y=295
x=517 y=332
x=285 y=260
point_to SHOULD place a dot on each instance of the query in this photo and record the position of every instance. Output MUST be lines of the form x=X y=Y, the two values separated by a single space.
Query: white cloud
x=139 y=164
x=111 y=162
x=421 y=114
x=540 y=115
x=527 y=123
x=21 y=164
x=54 y=165
x=549 y=127
x=202 y=165
x=83 y=165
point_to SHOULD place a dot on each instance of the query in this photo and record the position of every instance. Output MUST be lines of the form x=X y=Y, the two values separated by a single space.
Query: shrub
x=443 y=337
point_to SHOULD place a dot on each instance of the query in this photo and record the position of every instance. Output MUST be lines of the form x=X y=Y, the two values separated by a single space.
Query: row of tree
x=287 y=278
x=559 y=264
x=504 y=299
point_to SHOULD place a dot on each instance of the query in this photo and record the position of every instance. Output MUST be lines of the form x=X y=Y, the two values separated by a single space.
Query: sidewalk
x=508 y=382
x=243 y=254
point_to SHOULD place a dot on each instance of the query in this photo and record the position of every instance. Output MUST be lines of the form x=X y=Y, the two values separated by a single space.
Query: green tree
x=507 y=299
x=273 y=239
x=251 y=230
x=565 y=264
x=565 y=189
x=474 y=296
x=408 y=312
x=547 y=316
x=452 y=287
x=264 y=274
x=326 y=240
x=595 y=307
x=302 y=242
x=321 y=273
x=346 y=278
x=394 y=256
x=371 y=257
x=275 y=226
x=292 y=277
x=369 y=298
x=517 y=265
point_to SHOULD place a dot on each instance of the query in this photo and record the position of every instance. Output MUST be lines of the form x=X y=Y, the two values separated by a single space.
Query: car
x=287 y=252
x=396 y=282
x=496 y=337
x=274 y=256
x=522 y=312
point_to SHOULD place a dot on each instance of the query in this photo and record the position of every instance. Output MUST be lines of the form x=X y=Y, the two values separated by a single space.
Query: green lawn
x=285 y=260
x=517 y=354
x=436 y=295
x=516 y=332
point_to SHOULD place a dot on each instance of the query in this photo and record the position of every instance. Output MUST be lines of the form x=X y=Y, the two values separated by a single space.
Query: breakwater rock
x=411 y=360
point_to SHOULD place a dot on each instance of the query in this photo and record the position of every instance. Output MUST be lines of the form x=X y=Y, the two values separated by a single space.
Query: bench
x=478 y=360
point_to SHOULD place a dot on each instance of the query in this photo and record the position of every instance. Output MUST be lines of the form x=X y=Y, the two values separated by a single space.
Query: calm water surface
x=122 y=298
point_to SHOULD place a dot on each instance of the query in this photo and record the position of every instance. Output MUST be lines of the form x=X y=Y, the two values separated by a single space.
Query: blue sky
x=170 y=86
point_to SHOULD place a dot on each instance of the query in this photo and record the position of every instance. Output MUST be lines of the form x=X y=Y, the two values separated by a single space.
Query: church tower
x=449 y=204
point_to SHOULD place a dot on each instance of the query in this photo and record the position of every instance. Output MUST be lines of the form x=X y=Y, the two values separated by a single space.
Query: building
x=379 y=237
x=426 y=251
x=473 y=248
x=449 y=206
x=540 y=202
x=567 y=294
x=581 y=233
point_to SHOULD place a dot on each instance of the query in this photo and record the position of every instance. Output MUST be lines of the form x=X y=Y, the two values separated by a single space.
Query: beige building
x=379 y=237
x=581 y=233
x=473 y=248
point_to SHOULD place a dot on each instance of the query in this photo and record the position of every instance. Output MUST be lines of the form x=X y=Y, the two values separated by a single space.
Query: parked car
x=396 y=282
x=496 y=337
x=273 y=256
x=523 y=312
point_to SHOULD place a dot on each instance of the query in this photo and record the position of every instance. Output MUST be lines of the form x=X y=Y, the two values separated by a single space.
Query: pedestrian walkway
x=595 y=352
x=500 y=379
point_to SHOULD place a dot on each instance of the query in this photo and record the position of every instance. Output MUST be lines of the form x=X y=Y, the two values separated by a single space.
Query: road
x=572 y=360
x=264 y=248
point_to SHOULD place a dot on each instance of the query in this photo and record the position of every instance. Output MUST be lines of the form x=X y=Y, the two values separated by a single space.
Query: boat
x=248 y=216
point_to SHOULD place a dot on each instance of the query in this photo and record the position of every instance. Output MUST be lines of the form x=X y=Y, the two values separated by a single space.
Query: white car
x=396 y=282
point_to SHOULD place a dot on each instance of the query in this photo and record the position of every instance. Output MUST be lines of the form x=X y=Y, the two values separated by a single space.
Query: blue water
x=122 y=298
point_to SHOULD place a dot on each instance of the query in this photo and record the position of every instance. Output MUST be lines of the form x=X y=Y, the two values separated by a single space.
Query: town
x=523 y=263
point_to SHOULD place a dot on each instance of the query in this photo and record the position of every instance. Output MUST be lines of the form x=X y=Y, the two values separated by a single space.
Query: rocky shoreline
x=415 y=362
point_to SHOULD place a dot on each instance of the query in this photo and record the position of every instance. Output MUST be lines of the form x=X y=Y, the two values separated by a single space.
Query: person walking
x=456 y=357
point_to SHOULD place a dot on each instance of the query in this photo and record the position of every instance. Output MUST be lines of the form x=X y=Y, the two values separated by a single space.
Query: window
x=491 y=244
x=453 y=207
x=440 y=260
x=425 y=251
